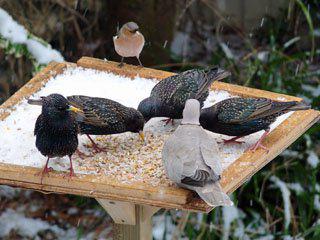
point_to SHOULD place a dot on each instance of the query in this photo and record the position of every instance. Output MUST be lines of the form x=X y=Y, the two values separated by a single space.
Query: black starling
x=103 y=116
x=56 y=129
x=240 y=117
x=168 y=97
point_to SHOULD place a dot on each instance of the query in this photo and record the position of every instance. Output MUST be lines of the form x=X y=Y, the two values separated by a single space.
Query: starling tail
x=212 y=75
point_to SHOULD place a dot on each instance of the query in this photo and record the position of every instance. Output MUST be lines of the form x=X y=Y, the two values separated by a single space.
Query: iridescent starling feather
x=103 y=116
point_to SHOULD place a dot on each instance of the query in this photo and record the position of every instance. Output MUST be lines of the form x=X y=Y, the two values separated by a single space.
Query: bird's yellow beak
x=74 y=109
x=141 y=134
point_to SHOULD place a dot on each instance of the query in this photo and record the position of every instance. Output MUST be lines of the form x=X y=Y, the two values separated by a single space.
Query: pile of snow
x=16 y=33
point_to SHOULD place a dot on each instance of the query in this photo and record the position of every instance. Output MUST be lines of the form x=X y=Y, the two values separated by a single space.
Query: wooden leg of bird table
x=131 y=222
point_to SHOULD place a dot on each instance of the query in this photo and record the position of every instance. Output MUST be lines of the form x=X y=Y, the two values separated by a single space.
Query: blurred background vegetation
x=271 y=45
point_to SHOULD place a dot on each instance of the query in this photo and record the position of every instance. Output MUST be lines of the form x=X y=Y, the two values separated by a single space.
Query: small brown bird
x=129 y=42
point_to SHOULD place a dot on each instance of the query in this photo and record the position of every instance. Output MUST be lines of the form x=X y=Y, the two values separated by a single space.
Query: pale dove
x=191 y=158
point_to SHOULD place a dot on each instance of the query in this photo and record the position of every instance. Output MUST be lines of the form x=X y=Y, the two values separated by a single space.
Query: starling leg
x=95 y=147
x=167 y=121
x=259 y=144
x=139 y=62
x=71 y=174
x=232 y=140
x=45 y=170
x=121 y=64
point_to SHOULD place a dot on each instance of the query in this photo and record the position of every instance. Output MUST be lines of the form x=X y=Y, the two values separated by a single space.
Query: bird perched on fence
x=191 y=158
x=103 y=116
x=56 y=130
x=168 y=97
x=129 y=42
x=240 y=117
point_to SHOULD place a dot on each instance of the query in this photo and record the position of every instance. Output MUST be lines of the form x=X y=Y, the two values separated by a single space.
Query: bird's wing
x=38 y=124
x=179 y=154
x=188 y=151
x=240 y=110
x=97 y=111
x=210 y=154
x=176 y=89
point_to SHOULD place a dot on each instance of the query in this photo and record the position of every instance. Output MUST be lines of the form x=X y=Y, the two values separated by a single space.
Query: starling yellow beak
x=74 y=109
x=141 y=134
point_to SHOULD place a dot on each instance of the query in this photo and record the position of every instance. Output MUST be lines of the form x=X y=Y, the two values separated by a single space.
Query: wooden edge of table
x=249 y=163
x=133 y=71
x=170 y=197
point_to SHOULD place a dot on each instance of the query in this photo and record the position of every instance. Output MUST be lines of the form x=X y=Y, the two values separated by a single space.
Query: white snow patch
x=315 y=91
x=18 y=141
x=313 y=159
x=10 y=29
x=163 y=227
x=267 y=237
x=16 y=33
x=8 y=192
x=316 y=202
x=286 y=199
x=229 y=215
x=29 y=227
x=296 y=187
x=43 y=54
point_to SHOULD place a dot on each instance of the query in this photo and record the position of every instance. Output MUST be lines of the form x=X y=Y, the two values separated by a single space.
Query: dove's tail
x=213 y=195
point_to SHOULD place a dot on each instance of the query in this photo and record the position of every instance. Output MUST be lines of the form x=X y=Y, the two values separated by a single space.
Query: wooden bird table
x=131 y=206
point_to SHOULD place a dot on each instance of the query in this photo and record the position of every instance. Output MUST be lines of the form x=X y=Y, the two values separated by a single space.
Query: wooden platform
x=103 y=187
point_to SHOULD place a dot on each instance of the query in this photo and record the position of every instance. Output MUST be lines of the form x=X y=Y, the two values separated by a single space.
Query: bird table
x=132 y=206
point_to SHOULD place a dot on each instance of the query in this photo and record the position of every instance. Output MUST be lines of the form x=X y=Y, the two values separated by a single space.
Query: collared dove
x=191 y=158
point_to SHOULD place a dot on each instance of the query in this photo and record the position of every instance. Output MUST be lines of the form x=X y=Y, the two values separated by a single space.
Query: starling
x=240 y=117
x=56 y=129
x=129 y=42
x=191 y=158
x=103 y=116
x=168 y=97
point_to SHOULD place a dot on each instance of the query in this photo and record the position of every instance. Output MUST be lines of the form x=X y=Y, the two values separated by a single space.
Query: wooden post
x=131 y=222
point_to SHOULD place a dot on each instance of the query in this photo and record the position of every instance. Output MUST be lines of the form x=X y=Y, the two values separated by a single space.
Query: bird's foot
x=70 y=174
x=167 y=121
x=97 y=149
x=230 y=141
x=257 y=145
x=83 y=155
x=43 y=172
x=120 y=65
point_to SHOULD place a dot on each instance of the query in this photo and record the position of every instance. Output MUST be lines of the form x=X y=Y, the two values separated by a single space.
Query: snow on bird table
x=127 y=158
